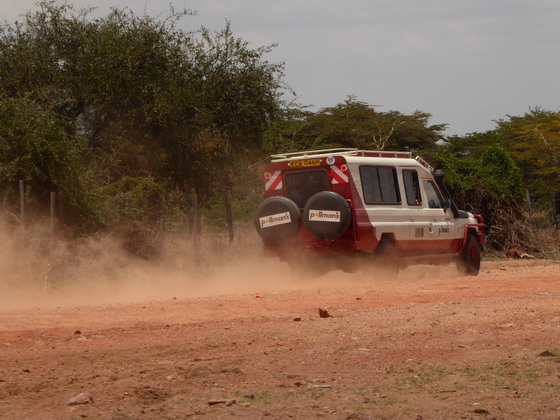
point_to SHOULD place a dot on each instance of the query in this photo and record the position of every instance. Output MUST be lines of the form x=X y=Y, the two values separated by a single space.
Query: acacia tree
x=237 y=96
x=354 y=123
x=240 y=91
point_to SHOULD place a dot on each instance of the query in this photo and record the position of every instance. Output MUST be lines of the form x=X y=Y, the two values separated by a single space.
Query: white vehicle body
x=344 y=201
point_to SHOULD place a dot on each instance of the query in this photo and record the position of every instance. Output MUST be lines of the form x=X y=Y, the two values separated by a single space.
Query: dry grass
x=511 y=230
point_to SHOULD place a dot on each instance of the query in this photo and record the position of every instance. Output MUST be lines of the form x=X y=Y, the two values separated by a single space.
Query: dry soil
x=429 y=345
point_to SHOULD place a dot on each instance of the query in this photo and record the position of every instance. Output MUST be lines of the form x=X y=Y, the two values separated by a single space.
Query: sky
x=468 y=63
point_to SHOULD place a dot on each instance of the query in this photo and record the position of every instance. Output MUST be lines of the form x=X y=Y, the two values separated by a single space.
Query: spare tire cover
x=277 y=219
x=327 y=215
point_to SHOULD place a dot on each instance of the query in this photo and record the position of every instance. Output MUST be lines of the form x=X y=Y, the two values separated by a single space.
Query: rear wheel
x=386 y=258
x=469 y=260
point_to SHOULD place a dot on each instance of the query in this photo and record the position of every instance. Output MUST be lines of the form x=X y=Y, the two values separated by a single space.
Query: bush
x=135 y=207
x=491 y=186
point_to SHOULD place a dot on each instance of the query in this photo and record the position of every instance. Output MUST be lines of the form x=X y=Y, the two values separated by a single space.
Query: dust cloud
x=39 y=271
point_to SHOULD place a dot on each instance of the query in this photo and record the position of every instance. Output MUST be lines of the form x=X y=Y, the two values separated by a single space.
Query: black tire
x=277 y=220
x=469 y=260
x=327 y=215
x=386 y=258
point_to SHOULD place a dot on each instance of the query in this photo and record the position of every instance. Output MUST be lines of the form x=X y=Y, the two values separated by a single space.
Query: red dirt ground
x=429 y=345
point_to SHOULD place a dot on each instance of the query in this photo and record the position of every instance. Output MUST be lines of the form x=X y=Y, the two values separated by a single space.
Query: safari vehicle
x=386 y=207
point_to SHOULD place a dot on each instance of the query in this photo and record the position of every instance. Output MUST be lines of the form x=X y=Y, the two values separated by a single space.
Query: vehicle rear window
x=300 y=186
x=380 y=185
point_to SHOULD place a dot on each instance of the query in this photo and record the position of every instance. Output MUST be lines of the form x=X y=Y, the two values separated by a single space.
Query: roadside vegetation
x=140 y=130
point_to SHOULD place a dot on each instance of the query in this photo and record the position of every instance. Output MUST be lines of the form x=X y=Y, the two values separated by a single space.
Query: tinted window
x=412 y=187
x=432 y=195
x=380 y=185
x=300 y=186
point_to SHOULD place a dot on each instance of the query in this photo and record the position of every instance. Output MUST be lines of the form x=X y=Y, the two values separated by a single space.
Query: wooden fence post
x=195 y=229
x=52 y=214
x=229 y=216
x=555 y=209
x=60 y=208
x=22 y=202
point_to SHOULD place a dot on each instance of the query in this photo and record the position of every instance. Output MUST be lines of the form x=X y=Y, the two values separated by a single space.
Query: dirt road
x=428 y=345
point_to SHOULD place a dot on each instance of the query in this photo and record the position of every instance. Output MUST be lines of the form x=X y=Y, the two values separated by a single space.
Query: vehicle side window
x=380 y=185
x=432 y=195
x=300 y=186
x=412 y=187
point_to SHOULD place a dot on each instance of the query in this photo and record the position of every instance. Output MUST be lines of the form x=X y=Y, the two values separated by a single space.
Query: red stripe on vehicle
x=275 y=182
x=338 y=176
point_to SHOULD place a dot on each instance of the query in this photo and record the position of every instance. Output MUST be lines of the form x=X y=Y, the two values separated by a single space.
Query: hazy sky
x=466 y=62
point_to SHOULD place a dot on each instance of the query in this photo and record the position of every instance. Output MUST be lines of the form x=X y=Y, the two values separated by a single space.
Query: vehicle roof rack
x=425 y=164
x=339 y=152
x=308 y=153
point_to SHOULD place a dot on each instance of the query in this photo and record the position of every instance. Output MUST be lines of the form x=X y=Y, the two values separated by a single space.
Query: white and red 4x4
x=386 y=206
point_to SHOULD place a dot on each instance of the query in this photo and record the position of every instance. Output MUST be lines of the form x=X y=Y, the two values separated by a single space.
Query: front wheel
x=469 y=260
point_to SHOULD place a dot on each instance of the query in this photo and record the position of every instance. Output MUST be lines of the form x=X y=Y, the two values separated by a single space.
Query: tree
x=237 y=97
x=472 y=145
x=492 y=186
x=532 y=141
x=354 y=123
x=239 y=91
x=137 y=97
x=414 y=132
x=33 y=148
x=537 y=150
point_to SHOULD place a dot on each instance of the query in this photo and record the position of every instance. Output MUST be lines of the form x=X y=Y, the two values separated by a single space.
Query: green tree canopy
x=490 y=185
x=532 y=141
x=354 y=123
x=33 y=147
x=133 y=96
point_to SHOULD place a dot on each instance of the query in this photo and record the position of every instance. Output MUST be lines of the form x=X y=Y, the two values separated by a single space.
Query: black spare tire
x=327 y=215
x=277 y=219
